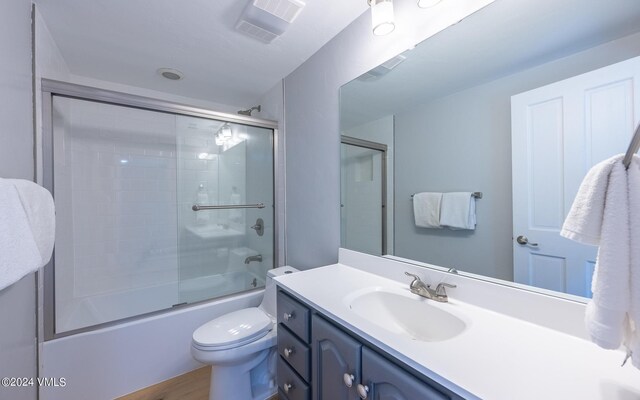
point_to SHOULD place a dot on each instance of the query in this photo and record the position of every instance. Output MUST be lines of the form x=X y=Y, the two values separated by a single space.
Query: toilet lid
x=233 y=329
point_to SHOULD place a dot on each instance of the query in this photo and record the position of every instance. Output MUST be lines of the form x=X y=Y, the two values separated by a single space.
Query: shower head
x=250 y=110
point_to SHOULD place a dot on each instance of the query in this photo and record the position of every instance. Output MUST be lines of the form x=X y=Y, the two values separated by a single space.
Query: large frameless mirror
x=511 y=106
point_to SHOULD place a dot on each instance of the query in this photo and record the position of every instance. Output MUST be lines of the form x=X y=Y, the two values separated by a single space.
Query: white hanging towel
x=426 y=209
x=584 y=221
x=633 y=177
x=600 y=216
x=458 y=210
x=27 y=229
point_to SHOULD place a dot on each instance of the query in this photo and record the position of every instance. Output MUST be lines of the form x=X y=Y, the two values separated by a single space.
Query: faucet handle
x=416 y=285
x=415 y=280
x=440 y=289
x=415 y=277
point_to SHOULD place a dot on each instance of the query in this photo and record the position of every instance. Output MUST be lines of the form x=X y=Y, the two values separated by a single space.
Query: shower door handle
x=198 y=207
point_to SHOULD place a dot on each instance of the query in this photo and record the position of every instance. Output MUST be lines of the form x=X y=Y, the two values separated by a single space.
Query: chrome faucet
x=421 y=289
x=257 y=258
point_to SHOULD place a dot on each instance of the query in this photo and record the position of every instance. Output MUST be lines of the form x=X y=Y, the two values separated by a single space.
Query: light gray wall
x=462 y=142
x=17 y=302
x=313 y=126
x=272 y=104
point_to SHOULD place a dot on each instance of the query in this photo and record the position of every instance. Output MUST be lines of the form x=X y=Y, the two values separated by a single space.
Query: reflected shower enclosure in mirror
x=517 y=101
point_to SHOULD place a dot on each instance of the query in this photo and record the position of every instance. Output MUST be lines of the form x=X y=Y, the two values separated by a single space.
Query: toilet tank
x=268 y=304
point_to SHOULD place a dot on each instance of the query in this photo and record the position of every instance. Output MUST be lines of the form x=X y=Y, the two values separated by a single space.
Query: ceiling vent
x=265 y=20
x=286 y=10
x=382 y=69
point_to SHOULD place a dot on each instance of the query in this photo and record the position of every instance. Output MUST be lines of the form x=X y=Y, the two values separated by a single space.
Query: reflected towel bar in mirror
x=197 y=207
x=477 y=195
x=633 y=148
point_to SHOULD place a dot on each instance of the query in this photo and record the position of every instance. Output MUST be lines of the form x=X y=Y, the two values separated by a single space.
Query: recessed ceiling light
x=171 y=74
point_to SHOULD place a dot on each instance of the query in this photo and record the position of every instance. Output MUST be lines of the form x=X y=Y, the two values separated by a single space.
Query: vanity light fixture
x=382 y=17
x=219 y=139
x=225 y=130
x=427 y=3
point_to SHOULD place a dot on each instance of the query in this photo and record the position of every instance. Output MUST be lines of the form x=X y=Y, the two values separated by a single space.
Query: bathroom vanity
x=344 y=365
x=354 y=330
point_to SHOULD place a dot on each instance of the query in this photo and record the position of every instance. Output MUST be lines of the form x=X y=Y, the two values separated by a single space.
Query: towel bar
x=197 y=207
x=477 y=195
x=633 y=148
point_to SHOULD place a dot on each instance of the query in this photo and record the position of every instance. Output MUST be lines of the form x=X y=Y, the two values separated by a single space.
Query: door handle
x=524 y=240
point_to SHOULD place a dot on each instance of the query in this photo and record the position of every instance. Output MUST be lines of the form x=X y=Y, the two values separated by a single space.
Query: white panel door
x=559 y=132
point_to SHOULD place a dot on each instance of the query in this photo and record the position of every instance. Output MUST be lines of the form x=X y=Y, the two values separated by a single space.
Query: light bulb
x=382 y=17
x=226 y=131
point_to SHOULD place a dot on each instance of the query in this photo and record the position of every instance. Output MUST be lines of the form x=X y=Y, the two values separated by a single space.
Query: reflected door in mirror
x=559 y=132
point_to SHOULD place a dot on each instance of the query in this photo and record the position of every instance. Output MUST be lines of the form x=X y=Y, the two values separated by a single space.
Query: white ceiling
x=126 y=41
x=505 y=37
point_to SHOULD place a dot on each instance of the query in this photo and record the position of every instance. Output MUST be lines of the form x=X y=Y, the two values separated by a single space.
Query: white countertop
x=497 y=357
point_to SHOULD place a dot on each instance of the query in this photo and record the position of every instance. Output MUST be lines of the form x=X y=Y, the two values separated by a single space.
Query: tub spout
x=253 y=258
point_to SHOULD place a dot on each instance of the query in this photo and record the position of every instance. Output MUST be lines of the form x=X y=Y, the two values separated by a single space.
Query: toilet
x=241 y=348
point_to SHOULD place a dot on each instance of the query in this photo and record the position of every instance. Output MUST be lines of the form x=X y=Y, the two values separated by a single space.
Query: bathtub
x=119 y=359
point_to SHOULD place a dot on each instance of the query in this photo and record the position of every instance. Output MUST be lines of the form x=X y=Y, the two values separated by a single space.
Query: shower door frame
x=382 y=148
x=50 y=88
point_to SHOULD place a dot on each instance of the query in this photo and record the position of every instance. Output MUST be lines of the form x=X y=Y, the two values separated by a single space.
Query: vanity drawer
x=290 y=385
x=294 y=316
x=295 y=352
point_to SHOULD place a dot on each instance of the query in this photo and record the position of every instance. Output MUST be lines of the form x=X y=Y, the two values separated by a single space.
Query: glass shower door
x=225 y=207
x=363 y=196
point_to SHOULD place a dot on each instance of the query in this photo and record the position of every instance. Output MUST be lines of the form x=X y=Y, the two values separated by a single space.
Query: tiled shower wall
x=122 y=168
x=120 y=174
x=115 y=188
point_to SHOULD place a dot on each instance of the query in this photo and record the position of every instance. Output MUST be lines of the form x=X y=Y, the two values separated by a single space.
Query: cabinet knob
x=288 y=351
x=363 y=391
x=348 y=379
x=288 y=316
x=287 y=387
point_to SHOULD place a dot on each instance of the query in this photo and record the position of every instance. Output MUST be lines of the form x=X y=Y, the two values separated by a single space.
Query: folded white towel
x=584 y=221
x=426 y=209
x=633 y=176
x=458 y=210
x=600 y=215
x=19 y=254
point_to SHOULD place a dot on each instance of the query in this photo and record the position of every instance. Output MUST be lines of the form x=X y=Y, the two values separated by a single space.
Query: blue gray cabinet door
x=334 y=353
x=386 y=381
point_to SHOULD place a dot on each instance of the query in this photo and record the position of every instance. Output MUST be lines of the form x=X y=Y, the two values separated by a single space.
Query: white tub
x=113 y=361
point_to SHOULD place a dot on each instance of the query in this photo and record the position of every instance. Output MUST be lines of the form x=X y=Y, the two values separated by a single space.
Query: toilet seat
x=233 y=330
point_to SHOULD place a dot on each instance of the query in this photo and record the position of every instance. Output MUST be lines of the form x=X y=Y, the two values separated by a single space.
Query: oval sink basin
x=406 y=314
